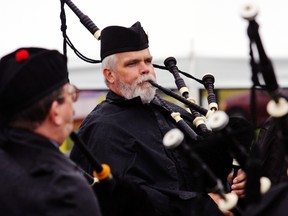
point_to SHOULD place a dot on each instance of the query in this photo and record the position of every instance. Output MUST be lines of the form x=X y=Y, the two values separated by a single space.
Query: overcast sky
x=175 y=27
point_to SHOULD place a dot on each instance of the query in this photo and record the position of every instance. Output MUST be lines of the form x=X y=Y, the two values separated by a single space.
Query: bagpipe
x=210 y=126
x=278 y=105
x=274 y=200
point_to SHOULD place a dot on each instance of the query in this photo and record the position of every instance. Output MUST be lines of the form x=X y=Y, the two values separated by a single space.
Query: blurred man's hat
x=117 y=39
x=27 y=75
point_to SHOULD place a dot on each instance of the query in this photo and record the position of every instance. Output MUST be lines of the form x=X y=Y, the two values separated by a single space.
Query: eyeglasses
x=73 y=91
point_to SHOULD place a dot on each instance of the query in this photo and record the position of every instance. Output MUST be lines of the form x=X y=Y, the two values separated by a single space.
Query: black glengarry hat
x=117 y=39
x=27 y=75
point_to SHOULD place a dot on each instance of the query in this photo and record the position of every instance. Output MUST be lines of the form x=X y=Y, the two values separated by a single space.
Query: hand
x=238 y=183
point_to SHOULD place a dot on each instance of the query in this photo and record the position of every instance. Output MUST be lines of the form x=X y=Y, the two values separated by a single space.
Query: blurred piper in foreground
x=36 y=116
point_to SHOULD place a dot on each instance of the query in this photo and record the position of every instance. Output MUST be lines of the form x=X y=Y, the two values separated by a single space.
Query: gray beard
x=145 y=90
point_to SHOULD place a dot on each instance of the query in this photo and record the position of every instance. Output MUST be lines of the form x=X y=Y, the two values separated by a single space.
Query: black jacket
x=127 y=135
x=38 y=179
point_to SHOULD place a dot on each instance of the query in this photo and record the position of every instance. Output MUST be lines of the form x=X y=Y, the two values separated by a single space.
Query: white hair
x=109 y=63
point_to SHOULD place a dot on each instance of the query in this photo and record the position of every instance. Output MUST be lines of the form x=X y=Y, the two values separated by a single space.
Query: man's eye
x=148 y=61
x=131 y=63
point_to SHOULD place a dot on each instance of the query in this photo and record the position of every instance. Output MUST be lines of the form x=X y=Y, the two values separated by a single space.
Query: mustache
x=145 y=78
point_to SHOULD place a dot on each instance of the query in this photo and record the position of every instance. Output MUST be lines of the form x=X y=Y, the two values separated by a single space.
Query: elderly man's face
x=132 y=71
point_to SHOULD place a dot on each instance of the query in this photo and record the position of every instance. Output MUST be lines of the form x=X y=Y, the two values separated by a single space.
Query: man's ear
x=54 y=113
x=109 y=75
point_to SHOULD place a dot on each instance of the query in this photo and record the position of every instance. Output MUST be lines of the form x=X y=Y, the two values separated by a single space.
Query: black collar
x=114 y=98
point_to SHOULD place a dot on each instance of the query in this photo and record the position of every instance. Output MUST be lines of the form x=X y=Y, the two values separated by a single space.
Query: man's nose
x=144 y=68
